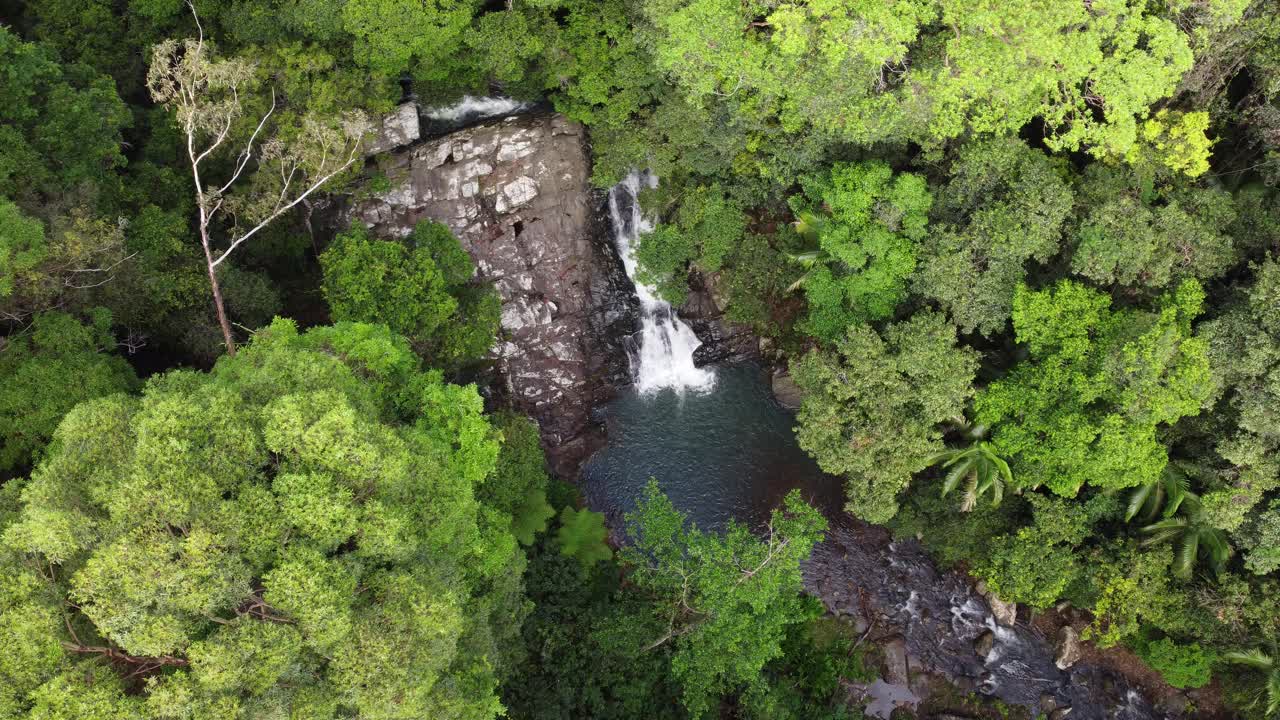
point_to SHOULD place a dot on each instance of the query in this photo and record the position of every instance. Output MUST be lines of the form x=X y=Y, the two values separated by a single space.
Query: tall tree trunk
x=217 y=301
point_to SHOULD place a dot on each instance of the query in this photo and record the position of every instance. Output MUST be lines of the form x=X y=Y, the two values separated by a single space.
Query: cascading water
x=662 y=355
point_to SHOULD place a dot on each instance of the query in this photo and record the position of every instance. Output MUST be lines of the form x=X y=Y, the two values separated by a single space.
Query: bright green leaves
x=1084 y=408
x=725 y=602
x=88 y=691
x=866 y=222
x=247 y=655
x=1182 y=666
x=582 y=535
x=148 y=591
x=1004 y=205
x=319 y=508
x=59 y=364
x=392 y=36
x=402 y=646
x=278 y=527
x=386 y=281
x=705 y=230
x=928 y=72
x=420 y=289
x=1171 y=143
x=872 y=406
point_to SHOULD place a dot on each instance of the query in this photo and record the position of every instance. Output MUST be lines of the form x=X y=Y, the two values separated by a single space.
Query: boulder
x=1067 y=650
x=896 y=667
x=402 y=127
x=516 y=193
x=786 y=391
x=1005 y=613
x=722 y=341
x=983 y=645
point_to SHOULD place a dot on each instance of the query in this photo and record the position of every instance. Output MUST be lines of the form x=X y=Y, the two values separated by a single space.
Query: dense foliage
x=1020 y=257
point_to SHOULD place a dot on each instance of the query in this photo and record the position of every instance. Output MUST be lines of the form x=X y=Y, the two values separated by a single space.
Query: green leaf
x=583 y=535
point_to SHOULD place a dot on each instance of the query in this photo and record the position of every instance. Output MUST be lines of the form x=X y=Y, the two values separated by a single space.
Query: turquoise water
x=727 y=453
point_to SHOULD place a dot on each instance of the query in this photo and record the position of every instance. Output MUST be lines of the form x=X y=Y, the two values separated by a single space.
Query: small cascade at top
x=662 y=355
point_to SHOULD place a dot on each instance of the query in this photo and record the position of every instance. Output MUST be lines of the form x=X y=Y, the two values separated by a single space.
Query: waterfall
x=662 y=355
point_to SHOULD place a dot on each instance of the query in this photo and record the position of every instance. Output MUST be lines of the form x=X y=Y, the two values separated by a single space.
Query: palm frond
x=1255 y=658
x=953 y=477
x=1138 y=500
x=1184 y=560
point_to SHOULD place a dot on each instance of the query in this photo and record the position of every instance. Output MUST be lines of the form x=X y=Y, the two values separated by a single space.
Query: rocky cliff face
x=516 y=194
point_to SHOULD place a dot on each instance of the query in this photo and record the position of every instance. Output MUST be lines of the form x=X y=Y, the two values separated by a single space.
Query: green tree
x=212 y=100
x=295 y=532
x=1264 y=663
x=1135 y=234
x=421 y=288
x=1182 y=666
x=583 y=536
x=518 y=483
x=1083 y=408
x=724 y=602
x=1260 y=540
x=60 y=128
x=1004 y=204
x=585 y=636
x=393 y=37
x=1245 y=353
x=1193 y=537
x=706 y=229
x=1037 y=563
x=981 y=469
x=866 y=222
x=50 y=368
x=929 y=71
x=872 y=406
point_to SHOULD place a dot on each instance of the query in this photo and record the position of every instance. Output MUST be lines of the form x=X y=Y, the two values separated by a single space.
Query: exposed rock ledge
x=516 y=194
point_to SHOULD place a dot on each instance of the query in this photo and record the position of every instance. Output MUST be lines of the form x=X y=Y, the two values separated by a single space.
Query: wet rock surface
x=516 y=194
x=860 y=571
x=722 y=341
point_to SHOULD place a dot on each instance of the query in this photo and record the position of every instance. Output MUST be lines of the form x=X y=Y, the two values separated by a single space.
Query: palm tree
x=809 y=225
x=1266 y=663
x=1167 y=491
x=1192 y=535
x=979 y=466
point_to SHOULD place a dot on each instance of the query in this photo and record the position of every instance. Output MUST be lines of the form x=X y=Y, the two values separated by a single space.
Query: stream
x=722 y=448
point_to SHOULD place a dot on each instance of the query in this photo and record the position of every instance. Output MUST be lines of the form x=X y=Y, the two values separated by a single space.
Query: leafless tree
x=275 y=175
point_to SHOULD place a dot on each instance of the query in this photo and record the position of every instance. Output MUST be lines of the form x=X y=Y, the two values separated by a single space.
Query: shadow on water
x=731 y=453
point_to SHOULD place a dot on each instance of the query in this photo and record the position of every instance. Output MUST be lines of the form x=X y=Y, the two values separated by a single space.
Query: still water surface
x=728 y=453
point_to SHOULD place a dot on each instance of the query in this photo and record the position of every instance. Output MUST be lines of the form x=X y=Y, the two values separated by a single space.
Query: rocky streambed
x=936 y=625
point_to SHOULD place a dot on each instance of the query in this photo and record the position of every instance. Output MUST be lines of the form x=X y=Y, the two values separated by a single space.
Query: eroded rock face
x=516 y=194
x=399 y=128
